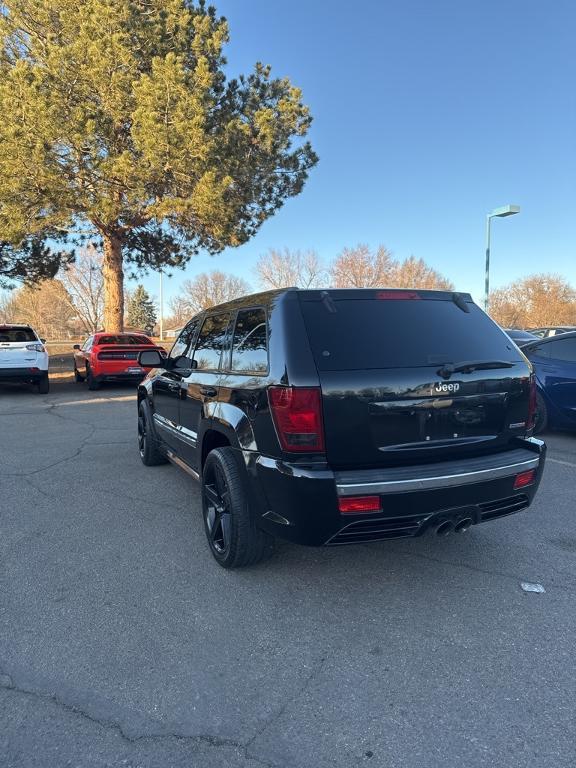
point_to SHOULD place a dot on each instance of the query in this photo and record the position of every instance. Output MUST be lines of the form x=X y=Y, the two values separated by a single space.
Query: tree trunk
x=113 y=284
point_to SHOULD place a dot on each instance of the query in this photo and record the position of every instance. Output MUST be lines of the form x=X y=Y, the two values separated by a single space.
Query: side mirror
x=151 y=358
x=183 y=363
x=43 y=341
x=76 y=346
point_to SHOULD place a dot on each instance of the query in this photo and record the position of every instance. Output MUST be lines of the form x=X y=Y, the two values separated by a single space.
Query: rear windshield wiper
x=472 y=365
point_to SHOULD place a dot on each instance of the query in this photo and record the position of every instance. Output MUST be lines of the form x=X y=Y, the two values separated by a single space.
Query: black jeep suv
x=342 y=416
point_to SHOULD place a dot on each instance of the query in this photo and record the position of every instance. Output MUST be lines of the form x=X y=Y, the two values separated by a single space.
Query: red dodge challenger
x=111 y=357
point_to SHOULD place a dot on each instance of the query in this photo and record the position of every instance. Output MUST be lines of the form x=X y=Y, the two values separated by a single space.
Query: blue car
x=554 y=361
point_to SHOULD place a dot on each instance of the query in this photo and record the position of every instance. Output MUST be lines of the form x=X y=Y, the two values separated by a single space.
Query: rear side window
x=361 y=331
x=14 y=335
x=559 y=349
x=250 y=343
x=212 y=340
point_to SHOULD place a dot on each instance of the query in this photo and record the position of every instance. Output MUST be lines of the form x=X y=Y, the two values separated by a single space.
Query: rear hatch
x=17 y=347
x=413 y=376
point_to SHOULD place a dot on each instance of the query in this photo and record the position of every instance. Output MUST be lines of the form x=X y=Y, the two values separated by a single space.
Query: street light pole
x=161 y=309
x=497 y=213
x=487 y=274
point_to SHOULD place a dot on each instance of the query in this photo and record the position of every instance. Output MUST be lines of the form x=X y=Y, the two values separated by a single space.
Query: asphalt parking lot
x=122 y=643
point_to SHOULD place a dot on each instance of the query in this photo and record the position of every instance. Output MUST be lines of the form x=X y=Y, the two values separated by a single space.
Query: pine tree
x=118 y=122
x=141 y=310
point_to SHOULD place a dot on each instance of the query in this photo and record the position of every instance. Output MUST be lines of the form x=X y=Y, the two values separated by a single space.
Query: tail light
x=524 y=479
x=353 y=505
x=531 y=403
x=35 y=347
x=297 y=414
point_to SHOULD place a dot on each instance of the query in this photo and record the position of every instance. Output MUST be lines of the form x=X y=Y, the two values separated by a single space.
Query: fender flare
x=231 y=422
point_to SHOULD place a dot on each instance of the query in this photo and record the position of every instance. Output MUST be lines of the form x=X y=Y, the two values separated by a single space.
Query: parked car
x=520 y=337
x=111 y=357
x=343 y=416
x=552 y=330
x=554 y=361
x=23 y=357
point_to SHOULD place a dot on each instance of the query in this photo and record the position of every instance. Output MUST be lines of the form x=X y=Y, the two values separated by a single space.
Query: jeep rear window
x=356 y=330
x=14 y=335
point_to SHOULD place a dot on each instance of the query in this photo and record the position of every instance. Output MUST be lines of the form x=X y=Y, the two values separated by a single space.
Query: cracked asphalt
x=123 y=645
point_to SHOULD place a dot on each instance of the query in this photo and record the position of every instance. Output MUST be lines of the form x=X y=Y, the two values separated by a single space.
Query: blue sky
x=427 y=114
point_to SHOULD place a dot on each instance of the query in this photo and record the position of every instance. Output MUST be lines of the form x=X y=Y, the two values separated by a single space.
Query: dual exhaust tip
x=457 y=525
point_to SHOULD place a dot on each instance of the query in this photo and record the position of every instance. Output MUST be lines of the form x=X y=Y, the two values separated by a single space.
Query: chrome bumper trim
x=438 y=481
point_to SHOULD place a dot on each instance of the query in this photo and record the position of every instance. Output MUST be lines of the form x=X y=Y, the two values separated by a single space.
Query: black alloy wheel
x=234 y=539
x=141 y=433
x=148 y=449
x=217 y=509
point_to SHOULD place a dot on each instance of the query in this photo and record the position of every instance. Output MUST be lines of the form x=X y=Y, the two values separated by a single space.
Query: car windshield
x=14 y=335
x=124 y=338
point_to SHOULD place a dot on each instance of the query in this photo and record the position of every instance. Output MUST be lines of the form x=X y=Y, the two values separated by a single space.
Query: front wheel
x=147 y=446
x=234 y=539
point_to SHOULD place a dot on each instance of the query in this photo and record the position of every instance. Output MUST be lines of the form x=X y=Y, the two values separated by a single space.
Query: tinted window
x=211 y=341
x=12 y=335
x=250 y=343
x=367 y=332
x=185 y=340
x=88 y=344
x=124 y=338
x=559 y=349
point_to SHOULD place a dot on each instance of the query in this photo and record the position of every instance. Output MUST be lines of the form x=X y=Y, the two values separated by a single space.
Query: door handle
x=208 y=391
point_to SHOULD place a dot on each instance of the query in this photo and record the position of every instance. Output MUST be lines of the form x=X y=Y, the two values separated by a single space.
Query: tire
x=541 y=415
x=233 y=537
x=78 y=378
x=148 y=448
x=43 y=385
x=93 y=383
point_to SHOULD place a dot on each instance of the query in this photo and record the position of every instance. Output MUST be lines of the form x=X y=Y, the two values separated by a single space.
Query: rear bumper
x=22 y=374
x=299 y=502
x=108 y=375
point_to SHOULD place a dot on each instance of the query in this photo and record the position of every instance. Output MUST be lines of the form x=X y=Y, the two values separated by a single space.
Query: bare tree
x=179 y=313
x=208 y=289
x=415 y=273
x=47 y=307
x=537 y=300
x=6 y=299
x=286 y=268
x=359 y=267
x=84 y=283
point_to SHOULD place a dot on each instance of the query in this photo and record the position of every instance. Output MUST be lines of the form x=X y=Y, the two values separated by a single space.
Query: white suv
x=23 y=357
